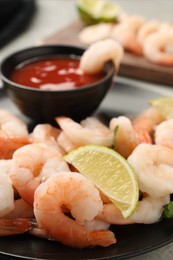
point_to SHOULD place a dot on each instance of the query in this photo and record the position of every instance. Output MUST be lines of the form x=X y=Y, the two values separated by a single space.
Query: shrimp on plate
x=97 y=54
x=32 y=164
x=6 y=194
x=88 y=131
x=154 y=169
x=13 y=134
x=164 y=133
x=96 y=32
x=125 y=32
x=81 y=197
x=158 y=48
x=145 y=123
x=21 y=210
x=149 y=210
x=47 y=134
x=125 y=139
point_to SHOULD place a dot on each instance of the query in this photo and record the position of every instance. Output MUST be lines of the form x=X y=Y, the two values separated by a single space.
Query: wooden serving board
x=132 y=66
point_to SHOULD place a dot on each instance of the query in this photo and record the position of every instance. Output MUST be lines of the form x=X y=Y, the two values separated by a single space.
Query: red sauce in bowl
x=53 y=74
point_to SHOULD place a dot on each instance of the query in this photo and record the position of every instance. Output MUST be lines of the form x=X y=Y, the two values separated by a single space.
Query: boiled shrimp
x=145 y=123
x=154 y=169
x=125 y=32
x=164 y=133
x=47 y=134
x=6 y=194
x=82 y=198
x=21 y=210
x=5 y=166
x=97 y=54
x=147 y=29
x=96 y=32
x=125 y=137
x=13 y=134
x=157 y=47
x=32 y=164
x=88 y=131
x=149 y=210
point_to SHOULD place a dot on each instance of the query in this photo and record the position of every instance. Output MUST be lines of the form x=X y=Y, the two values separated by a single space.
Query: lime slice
x=110 y=172
x=96 y=11
x=164 y=105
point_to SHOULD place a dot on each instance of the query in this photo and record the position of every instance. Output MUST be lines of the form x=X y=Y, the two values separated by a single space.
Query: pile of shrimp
x=44 y=196
x=152 y=39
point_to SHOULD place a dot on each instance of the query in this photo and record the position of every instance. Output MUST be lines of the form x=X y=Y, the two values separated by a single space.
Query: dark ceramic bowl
x=44 y=105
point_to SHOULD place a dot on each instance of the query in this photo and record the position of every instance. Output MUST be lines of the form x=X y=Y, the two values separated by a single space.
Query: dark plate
x=133 y=240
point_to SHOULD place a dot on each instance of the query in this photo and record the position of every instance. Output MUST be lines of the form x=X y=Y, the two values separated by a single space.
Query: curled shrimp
x=154 y=169
x=164 y=133
x=145 y=123
x=89 y=131
x=32 y=164
x=47 y=134
x=149 y=210
x=13 y=134
x=82 y=198
x=157 y=47
x=147 y=29
x=125 y=137
x=97 y=54
x=125 y=32
x=96 y=32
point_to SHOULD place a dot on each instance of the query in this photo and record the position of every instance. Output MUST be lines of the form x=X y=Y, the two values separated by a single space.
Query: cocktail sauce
x=53 y=73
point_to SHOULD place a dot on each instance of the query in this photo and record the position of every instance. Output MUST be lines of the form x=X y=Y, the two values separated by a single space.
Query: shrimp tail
x=14 y=226
x=109 y=237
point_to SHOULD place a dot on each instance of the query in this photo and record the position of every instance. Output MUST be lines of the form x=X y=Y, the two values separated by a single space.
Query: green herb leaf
x=168 y=210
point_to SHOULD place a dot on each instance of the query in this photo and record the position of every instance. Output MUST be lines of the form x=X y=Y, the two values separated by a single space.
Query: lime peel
x=164 y=105
x=110 y=172
x=96 y=11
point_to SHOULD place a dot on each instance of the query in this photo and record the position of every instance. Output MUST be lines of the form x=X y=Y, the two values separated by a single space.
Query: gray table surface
x=53 y=15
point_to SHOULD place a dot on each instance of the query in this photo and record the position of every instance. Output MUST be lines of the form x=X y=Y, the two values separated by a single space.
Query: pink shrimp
x=32 y=164
x=145 y=123
x=82 y=199
x=125 y=32
x=13 y=134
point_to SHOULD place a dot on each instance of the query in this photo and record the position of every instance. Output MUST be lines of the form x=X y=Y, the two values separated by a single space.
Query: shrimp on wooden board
x=158 y=49
x=94 y=33
x=164 y=133
x=153 y=165
x=125 y=32
x=145 y=123
x=32 y=164
x=47 y=134
x=88 y=131
x=13 y=134
x=147 y=29
x=149 y=210
x=97 y=54
x=125 y=139
x=82 y=198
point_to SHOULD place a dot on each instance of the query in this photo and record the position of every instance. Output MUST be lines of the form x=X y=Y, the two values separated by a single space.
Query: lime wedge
x=110 y=172
x=164 y=105
x=96 y=11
